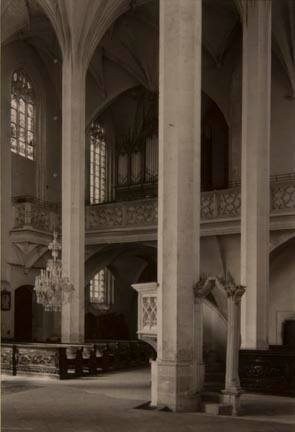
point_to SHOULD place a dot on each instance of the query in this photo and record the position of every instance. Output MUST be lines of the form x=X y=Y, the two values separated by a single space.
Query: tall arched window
x=102 y=289
x=22 y=116
x=97 y=165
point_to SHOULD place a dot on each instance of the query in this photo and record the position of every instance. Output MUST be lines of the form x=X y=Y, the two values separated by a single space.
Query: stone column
x=232 y=391
x=179 y=200
x=256 y=89
x=73 y=195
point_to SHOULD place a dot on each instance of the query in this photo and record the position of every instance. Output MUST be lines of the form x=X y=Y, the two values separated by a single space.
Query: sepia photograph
x=147 y=177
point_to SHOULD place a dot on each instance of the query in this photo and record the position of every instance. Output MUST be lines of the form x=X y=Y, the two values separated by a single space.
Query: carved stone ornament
x=149 y=312
x=230 y=287
x=221 y=204
x=204 y=286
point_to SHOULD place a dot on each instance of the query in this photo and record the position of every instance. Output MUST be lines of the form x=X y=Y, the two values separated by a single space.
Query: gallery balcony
x=129 y=221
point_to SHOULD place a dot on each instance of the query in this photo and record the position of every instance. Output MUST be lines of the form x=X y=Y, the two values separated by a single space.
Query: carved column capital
x=204 y=286
x=231 y=289
x=235 y=292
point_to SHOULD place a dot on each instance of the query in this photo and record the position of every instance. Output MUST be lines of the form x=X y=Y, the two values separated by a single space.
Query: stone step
x=213 y=408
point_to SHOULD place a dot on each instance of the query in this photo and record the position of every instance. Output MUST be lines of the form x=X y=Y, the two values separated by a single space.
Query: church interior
x=148 y=215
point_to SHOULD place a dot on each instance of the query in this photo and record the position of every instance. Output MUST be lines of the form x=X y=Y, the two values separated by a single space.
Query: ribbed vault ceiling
x=124 y=33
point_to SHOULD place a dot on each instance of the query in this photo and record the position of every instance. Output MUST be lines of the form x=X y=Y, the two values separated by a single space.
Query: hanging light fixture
x=52 y=288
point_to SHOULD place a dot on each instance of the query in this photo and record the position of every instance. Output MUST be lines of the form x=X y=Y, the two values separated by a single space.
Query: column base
x=232 y=397
x=175 y=387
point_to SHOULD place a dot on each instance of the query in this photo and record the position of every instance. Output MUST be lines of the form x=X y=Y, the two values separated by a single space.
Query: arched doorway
x=23 y=313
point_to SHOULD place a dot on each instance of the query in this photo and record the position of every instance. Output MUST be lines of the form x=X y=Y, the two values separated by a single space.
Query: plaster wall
x=22 y=168
x=282 y=290
x=215 y=331
x=48 y=124
x=282 y=146
x=282 y=155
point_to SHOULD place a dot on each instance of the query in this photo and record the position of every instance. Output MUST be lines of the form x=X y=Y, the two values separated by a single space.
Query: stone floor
x=106 y=404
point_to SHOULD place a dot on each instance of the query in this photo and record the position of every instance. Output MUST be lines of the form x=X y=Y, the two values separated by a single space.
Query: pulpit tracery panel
x=149 y=313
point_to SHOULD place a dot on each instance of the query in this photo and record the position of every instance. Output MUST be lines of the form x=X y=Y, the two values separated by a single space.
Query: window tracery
x=97 y=164
x=102 y=289
x=22 y=116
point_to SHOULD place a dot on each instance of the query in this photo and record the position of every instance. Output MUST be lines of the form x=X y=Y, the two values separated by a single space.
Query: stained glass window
x=22 y=116
x=97 y=165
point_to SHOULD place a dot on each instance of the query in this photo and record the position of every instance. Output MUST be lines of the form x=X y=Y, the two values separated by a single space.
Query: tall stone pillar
x=256 y=102
x=73 y=195
x=179 y=200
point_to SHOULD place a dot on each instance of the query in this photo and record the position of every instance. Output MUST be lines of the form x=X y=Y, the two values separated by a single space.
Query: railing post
x=62 y=363
x=14 y=360
x=124 y=214
x=215 y=204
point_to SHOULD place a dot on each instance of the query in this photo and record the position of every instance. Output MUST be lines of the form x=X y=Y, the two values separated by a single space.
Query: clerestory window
x=97 y=164
x=22 y=116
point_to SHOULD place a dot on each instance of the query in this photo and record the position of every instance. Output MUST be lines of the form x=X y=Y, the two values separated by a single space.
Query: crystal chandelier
x=52 y=288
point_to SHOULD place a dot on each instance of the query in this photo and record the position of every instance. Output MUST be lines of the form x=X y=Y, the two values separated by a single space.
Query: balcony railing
x=215 y=205
x=36 y=214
